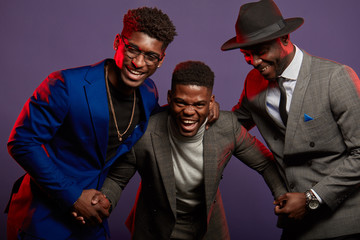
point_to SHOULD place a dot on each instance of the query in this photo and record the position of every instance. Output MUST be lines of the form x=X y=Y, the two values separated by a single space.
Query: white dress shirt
x=290 y=74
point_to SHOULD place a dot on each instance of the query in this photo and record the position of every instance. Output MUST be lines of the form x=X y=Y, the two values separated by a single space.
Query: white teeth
x=189 y=121
x=264 y=68
x=135 y=72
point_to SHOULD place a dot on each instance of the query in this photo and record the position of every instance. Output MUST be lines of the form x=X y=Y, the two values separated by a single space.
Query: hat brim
x=291 y=24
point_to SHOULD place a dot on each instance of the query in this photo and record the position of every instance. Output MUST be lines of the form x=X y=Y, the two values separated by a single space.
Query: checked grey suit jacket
x=320 y=147
x=154 y=213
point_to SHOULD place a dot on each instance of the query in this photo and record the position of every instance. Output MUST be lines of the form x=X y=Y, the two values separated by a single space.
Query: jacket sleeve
x=40 y=118
x=254 y=84
x=119 y=176
x=256 y=156
x=344 y=95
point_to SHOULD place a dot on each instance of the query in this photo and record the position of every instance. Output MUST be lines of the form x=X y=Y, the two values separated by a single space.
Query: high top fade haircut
x=150 y=21
x=193 y=73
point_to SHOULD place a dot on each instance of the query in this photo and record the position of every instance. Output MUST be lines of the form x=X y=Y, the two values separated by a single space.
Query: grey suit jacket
x=320 y=152
x=154 y=213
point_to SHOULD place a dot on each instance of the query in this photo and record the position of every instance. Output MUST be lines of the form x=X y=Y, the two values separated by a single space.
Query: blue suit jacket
x=60 y=139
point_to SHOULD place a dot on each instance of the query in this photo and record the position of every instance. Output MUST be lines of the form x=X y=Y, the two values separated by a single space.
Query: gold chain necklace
x=113 y=111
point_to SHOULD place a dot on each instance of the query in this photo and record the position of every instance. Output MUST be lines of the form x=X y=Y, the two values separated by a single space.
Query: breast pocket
x=321 y=130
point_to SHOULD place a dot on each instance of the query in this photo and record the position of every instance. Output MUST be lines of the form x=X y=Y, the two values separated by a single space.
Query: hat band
x=267 y=31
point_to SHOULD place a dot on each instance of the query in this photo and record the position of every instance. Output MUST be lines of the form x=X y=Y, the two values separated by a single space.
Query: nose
x=138 y=61
x=189 y=110
x=255 y=60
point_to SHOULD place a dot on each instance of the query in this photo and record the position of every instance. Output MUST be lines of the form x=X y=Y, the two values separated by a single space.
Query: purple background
x=39 y=37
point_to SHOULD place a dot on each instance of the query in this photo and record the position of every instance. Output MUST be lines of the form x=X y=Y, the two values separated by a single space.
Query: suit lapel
x=297 y=101
x=210 y=167
x=97 y=100
x=162 y=150
x=263 y=109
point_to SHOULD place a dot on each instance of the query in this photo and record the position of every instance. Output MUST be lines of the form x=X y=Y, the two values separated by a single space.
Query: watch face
x=313 y=204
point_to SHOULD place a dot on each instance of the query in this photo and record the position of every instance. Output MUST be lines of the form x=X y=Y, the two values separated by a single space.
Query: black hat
x=260 y=22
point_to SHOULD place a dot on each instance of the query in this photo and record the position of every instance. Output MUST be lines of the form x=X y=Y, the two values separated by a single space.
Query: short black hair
x=150 y=21
x=193 y=73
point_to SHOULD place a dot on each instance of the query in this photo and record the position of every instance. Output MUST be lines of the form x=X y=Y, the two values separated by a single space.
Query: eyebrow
x=147 y=52
x=183 y=101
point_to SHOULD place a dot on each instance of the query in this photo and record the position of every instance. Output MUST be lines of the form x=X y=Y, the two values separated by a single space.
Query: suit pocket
x=321 y=130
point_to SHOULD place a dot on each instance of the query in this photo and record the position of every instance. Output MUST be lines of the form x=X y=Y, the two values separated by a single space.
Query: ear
x=285 y=39
x=117 y=41
x=162 y=60
x=212 y=99
x=169 y=97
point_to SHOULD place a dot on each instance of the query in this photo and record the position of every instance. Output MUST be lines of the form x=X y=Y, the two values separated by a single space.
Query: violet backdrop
x=39 y=37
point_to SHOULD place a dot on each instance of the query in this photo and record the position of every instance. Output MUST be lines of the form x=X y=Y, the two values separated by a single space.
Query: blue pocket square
x=307 y=118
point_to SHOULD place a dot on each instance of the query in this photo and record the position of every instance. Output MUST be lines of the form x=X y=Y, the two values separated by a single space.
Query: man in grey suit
x=181 y=164
x=307 y=110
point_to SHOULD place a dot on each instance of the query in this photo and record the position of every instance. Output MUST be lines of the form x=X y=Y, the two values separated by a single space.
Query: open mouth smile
x=189 y=125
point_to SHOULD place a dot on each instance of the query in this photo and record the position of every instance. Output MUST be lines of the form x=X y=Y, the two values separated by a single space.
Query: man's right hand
x=85 y=211
x=293 y=205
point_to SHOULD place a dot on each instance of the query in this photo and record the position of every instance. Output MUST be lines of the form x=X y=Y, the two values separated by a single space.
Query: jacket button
x=312 y=144
x=292 y=186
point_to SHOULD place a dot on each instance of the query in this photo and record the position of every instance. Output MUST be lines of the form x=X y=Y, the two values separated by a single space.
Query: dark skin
x=271 y=59
x=293 y=205
x=126 y=75
x=93 y=213
x=189 y=105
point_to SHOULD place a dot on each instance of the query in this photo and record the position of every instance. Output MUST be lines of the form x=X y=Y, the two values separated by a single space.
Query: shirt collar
x=293 y=70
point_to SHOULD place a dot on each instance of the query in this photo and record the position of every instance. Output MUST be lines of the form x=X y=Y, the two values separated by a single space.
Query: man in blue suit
x=77 y=123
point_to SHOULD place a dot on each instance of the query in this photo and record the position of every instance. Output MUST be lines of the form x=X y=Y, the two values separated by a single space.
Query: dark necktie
x=282 y=104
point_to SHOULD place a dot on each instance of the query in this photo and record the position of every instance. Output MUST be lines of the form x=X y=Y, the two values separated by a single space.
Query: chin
x=187 y=134
x=134 y=84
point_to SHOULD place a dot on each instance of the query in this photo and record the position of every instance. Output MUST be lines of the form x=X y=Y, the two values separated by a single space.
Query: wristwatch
x=312 y=203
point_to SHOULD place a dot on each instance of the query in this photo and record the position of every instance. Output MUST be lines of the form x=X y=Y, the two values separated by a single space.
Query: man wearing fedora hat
x=307 y=110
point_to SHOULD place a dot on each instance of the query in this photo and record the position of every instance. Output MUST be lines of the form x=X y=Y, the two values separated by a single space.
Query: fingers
x=92 y=220
x=81 y=220
x=213 y=114
x=291 y=204
x=105 y=203
x=96 y=198
x=280 y=199
x=278 y=210
x=86 y=208
x=103 y=212
x=96 y=219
